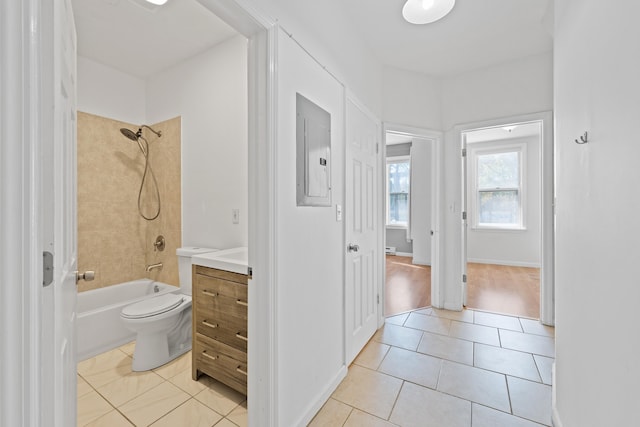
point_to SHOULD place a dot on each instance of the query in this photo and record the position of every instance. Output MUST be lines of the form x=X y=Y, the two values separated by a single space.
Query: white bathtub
x=98 y=323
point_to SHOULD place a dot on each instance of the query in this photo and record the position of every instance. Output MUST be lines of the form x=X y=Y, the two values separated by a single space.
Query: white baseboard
x=409 y=254
x=419 y=261
x=502 y=262
x=555 y=415
x=322 y=398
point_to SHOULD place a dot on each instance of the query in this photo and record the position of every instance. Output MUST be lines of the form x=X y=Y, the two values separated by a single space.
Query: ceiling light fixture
x=509 y=128
x=157 y=2
x=426 y=11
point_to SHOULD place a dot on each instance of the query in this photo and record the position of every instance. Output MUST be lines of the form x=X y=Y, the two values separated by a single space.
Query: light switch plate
x=235 y=216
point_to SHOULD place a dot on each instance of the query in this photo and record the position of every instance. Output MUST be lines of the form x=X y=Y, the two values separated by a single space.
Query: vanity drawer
x=222 y=362
x=228 y=298
x=227 y=329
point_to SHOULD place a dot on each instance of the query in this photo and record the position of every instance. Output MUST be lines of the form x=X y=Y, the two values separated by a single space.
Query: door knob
x=87 y=276
x=353 y=248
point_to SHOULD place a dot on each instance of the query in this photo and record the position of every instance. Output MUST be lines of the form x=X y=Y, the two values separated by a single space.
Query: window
x=497 y=192
x=398 y=175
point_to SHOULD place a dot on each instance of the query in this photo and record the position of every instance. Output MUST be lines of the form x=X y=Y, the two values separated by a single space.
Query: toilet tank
x=184 y=265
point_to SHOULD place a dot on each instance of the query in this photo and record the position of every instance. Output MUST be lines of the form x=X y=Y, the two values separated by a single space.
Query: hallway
x=437 y=368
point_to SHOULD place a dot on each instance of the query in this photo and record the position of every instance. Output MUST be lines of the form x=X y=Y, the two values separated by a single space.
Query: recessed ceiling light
x=157 y=2
x=426 y=11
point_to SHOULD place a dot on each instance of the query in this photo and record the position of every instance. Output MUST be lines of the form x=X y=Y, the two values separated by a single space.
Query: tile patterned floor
x=436 y=368
x=111 y=395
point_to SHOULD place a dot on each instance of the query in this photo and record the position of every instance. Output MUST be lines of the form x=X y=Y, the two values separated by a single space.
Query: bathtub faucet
x=157 y=266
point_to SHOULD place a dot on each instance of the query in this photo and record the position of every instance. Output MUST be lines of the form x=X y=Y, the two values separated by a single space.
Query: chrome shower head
x=130 y=134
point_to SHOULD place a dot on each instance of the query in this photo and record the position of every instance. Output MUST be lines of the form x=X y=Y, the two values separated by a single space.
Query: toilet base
x=152 y=351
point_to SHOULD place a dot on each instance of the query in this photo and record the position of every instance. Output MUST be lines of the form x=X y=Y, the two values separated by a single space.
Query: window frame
x=396 y=159
x=488 y=148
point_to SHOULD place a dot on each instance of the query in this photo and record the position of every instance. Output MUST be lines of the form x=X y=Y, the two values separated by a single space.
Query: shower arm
x=158 y=133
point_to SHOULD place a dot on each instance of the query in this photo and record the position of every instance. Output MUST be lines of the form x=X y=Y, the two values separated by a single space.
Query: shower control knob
x=87 y=276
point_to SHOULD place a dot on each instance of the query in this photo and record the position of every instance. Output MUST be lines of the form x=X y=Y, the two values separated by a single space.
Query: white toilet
x=163 y=323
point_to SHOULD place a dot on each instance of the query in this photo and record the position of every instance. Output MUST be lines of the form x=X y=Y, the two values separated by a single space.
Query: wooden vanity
x=220 y=326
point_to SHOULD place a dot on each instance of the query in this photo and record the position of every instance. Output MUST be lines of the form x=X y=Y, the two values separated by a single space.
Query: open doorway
x=409 y=219
x=503 y=199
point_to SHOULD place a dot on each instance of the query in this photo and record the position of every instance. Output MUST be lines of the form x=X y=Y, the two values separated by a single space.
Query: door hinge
x=250 y=272
x=377 y=148
x=47 y=268
x=464 y=278
x=378 y=298
x=464 y=152
x=464 y=216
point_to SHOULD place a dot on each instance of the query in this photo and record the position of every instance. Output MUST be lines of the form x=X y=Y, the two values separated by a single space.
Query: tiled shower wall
x=113 y=239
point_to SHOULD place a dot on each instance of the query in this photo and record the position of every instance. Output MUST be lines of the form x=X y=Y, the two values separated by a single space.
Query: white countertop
x=235 y=260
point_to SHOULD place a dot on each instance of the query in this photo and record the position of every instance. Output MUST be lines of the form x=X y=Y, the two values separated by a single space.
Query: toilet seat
x=152 y=306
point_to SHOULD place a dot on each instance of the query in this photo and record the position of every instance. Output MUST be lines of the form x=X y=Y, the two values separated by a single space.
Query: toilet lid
x=152 y=306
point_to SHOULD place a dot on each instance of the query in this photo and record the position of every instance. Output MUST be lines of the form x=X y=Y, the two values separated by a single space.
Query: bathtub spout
x=157 y=266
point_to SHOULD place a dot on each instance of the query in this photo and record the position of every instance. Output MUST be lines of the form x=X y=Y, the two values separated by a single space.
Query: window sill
x=499 y=229
x=396 y=227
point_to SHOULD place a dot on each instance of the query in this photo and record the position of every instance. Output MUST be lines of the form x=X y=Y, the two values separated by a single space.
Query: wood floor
x=495 y=288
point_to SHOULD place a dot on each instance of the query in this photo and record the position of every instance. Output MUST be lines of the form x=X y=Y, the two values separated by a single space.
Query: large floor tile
x=438 y=325
x=372 y=354
x=476 y=385
x=398 y=336
x=422 y=407
x=175 y=366
x=128 y=348
x=369 y=391
x=128 y=387
x=239 y=415
x=332 y=414
x=497 y=321
x=92 y=406
x=530 y=400
x=83 y=386
x=531 y=326
x=505 y=361
x=461 y=316
x=154 y=404
x=191 y=413
x=111 y=419
x=445 y=347
x=225 y=423
x=475 y=333
x=185 y=382
x=220 y=397
x=105 y=367
x=398 y=319
x=536 y=344
x=545 y=365
x=411 y=366
x=425 y=311
x=487 y=417
x=362 y=419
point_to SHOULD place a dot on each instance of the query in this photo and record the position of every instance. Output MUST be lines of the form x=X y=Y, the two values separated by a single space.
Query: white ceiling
x=477 y=33
x=131 y=38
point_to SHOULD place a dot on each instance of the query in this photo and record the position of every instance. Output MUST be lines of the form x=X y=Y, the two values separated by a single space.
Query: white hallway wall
x=511 y=247
x=209 y=91
x=597 y=90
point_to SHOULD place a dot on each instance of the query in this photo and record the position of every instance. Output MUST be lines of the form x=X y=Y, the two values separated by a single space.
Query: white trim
x=437 y=297
x=555 y=414
x=409 y=254
x=262 y=33
x=547 y=285
x=503 y=262
x=317 y=403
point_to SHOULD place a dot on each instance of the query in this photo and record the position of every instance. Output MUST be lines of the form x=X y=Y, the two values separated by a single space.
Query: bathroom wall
x=113 y=240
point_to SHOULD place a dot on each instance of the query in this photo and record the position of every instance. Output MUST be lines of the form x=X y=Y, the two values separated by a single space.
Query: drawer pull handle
x=211 y=325
x=243 y=372
x=204 y=353
x=243 y=303
x=242 y=337
x=211 y=294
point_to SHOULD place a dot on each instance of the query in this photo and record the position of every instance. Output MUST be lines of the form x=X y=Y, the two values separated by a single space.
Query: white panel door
x=464 y=219
x=60 y=198
x=361 y=223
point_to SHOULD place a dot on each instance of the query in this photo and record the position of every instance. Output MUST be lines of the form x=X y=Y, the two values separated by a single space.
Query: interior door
x=464 y=217
x=361 y=223
x=60 y=200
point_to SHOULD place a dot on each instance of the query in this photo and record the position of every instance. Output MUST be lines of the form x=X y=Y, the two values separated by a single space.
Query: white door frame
x=436 y=194
x=547 y=266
